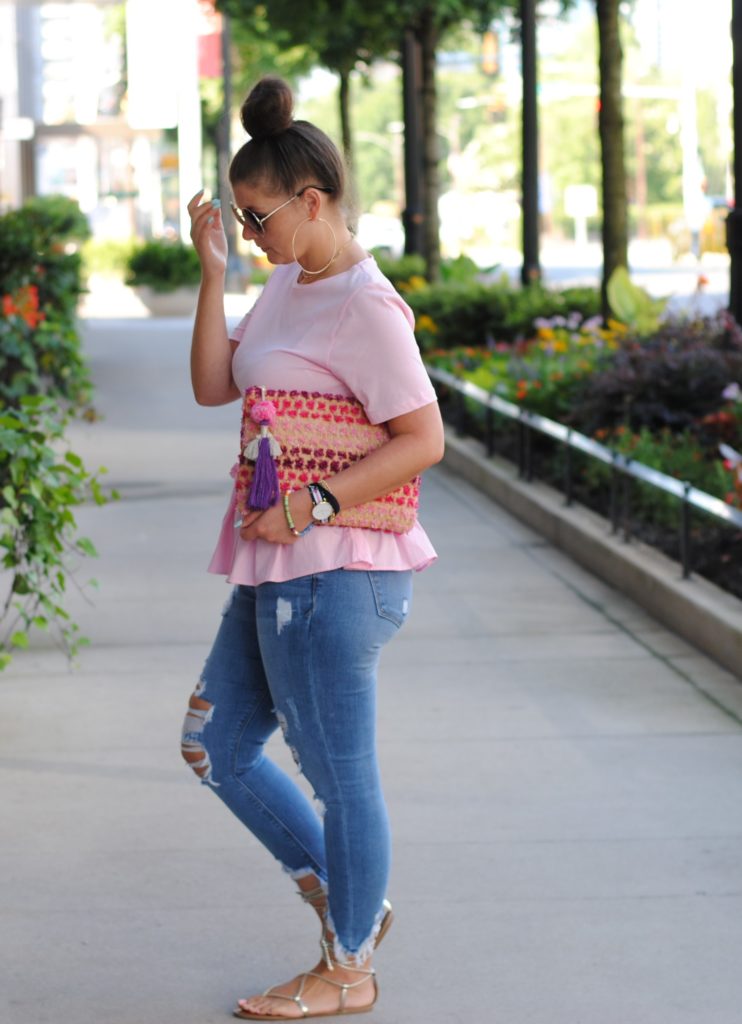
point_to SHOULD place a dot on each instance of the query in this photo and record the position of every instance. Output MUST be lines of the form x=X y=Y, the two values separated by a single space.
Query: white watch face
x=322 y=511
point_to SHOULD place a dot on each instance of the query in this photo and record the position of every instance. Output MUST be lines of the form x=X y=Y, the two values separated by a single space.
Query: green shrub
x=40 y=287
x=163 y=265
x=41 y=485
x=403 y=270
x=462 y=269
x=57 y=218
x=459 y=314
x=451 y=315
x=43 y=381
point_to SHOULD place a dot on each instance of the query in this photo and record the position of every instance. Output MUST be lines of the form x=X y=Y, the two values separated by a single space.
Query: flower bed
x=671 y=401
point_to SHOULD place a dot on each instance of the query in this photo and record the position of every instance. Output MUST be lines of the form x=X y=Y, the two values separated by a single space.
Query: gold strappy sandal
x=317 y=898
x=306 y=1012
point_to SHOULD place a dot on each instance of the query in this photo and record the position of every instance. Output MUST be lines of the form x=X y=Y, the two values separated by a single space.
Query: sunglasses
x=249 y=218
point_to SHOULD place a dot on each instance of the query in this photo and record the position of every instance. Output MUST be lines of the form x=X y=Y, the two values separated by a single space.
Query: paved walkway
x=564 y=775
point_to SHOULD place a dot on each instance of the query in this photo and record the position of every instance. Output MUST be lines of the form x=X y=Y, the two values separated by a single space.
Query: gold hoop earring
x=335 y=253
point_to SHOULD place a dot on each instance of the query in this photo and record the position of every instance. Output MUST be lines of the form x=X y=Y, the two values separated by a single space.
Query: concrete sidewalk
x=564 y=776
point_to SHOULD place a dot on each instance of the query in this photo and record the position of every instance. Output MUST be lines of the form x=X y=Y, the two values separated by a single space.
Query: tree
x=612 y=149
x=343 y=34
x=349 y=34
x=428 y=21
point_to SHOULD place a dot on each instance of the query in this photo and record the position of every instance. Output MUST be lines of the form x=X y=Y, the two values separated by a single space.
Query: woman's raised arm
x=211 y=351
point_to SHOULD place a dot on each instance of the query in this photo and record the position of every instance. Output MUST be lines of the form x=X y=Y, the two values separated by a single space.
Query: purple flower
x=731 y=392
x=593 y=324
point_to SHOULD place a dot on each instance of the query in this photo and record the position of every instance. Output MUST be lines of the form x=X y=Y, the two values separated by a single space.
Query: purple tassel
x=264 y=490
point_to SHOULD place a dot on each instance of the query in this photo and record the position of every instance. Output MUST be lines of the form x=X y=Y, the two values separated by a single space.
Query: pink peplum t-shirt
x=350 y=334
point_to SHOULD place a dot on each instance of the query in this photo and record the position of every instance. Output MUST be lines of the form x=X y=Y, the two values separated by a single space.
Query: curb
x=697 y=610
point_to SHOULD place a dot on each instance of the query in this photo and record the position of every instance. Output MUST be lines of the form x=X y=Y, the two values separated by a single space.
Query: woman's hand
x=207 y=234
x=271 y=525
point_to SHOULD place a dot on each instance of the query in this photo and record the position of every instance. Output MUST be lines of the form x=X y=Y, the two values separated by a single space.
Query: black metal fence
x=623 y=469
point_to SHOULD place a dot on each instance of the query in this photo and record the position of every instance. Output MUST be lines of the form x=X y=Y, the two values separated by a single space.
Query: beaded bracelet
x=289 y=518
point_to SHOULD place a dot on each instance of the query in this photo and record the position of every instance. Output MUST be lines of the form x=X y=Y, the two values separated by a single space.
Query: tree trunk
x=734 y=220
x=412 y=215
x=428 y=36
x=611 y=128
x=531 y=270
x=345 y=132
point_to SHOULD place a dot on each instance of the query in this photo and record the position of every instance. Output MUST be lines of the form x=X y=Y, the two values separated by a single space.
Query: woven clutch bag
x=320 y=435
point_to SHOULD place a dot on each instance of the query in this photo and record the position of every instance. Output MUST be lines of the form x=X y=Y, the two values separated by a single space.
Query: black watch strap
x=329 y=497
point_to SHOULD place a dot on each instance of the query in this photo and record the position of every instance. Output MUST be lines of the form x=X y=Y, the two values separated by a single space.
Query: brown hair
x=283 y=154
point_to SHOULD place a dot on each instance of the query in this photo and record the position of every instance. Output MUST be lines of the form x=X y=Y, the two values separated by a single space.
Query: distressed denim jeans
x=303 y=654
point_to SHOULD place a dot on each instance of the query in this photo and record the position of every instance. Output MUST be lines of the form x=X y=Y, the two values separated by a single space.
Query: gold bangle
x=289 y=518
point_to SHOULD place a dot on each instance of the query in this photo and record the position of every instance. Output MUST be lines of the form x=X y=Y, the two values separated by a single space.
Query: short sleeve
x=237 y=332
x=374 y=352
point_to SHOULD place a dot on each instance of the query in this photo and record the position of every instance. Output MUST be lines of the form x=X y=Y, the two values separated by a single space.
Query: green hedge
x=464 y=310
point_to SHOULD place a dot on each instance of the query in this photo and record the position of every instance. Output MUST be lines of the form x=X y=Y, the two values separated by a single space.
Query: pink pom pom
x=263 y=412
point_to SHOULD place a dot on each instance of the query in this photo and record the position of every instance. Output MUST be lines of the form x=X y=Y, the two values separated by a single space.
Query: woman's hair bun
x=269 y=108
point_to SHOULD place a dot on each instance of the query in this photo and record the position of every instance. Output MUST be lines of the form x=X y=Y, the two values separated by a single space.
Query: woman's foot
x=324 y=991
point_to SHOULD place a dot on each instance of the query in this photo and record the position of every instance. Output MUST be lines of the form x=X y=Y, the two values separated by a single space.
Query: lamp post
x=531 y=270
x=734 y=220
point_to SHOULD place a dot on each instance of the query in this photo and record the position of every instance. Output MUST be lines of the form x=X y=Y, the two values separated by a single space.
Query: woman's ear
x=313 y=202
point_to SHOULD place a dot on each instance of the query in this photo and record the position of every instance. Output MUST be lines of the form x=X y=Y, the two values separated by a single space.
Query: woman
x=325 y=545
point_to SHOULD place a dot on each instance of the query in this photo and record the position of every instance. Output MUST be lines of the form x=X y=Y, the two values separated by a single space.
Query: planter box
x=181 y=302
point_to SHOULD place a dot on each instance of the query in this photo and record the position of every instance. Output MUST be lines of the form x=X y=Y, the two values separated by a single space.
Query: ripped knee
x=283 y=722
x=192 y=748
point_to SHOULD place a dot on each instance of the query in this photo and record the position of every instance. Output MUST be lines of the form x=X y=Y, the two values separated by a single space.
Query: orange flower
x=24 y=303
